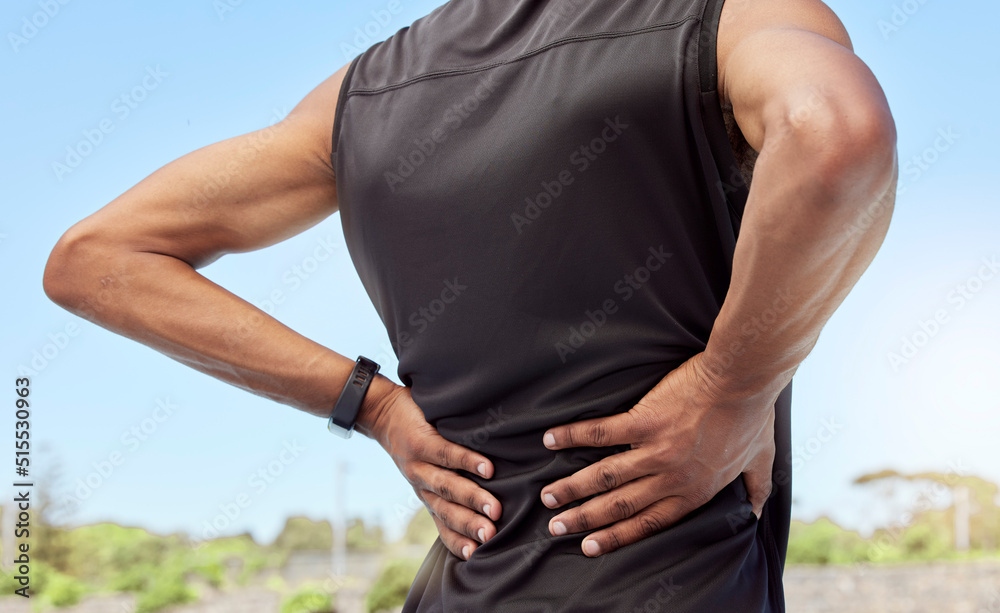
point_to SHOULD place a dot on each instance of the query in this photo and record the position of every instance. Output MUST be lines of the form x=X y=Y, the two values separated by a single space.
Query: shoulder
x=743 y=19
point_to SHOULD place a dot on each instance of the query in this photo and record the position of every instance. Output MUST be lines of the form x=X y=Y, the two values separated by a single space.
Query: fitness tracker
x=345 y=412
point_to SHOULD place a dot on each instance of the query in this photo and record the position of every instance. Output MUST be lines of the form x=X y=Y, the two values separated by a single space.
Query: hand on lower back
x=689 y=441
x=463 y=511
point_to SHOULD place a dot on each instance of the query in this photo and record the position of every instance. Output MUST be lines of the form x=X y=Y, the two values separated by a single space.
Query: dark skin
x=799 y=97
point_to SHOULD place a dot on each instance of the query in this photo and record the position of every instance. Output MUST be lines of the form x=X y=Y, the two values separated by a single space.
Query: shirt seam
x=526 y=55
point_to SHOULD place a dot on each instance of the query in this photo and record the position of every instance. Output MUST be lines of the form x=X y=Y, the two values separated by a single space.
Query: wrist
x=379 y=397
x=732 y=380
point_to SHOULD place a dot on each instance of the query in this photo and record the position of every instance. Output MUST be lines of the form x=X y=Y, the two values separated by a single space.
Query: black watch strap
x=345 y=411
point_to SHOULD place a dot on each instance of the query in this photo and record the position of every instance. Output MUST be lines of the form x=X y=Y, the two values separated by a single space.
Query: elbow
x=68 y=267
x=57 y=280
x=867 y=159
x=850 y=144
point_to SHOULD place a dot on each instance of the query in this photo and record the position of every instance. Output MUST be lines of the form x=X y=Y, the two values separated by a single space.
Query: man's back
x=533 y=195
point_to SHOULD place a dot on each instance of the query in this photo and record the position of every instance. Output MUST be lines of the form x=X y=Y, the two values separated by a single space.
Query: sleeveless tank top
x=542 y=202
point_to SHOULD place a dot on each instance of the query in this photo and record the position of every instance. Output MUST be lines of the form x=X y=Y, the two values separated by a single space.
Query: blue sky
x=171 y=449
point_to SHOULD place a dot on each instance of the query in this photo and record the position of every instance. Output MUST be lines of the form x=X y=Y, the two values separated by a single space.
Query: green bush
x=925 y=542
x=824 y=542
x=390 y=589
x=48 y=585
x=254 y=557
x=163 y=591
x=307 y=601
x=64 y=591
x=213 y=572
x=103 y=551
x=134 y=579
x=8 y=584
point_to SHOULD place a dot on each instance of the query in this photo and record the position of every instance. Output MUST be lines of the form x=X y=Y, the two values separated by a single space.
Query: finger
x=651 y=520
x=461 y=546
x=757 y=479
x=457 y=489
x=442 y=452
x=600 y=432
x=603 y=476
x=608 y=508
x=460 y=519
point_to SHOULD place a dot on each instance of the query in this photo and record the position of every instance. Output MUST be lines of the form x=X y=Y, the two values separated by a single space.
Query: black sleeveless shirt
x=542 y=202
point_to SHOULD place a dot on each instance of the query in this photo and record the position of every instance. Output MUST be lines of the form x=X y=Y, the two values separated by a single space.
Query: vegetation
x=302 y=533
x=390 y=589
x=308 y=600
x=925 y=531
x=421 y=529
x=953 y=518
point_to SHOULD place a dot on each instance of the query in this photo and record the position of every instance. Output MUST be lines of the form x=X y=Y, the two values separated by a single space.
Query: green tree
x=980 y=516
x=302 y=533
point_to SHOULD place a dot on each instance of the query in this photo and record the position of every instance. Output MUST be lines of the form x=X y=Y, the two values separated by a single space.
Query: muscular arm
x=823 y=188
x=131 y=266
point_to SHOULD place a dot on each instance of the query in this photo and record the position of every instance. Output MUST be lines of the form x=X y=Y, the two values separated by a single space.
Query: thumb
x=757 y=478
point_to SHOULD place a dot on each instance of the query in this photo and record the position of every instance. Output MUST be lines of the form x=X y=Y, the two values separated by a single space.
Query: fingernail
x=482 y=468
x=486 y=510
x=591 y=548
x=466 y=551
x=482 y=535
x=558 y=528
x=549 y=440
x=550 y=500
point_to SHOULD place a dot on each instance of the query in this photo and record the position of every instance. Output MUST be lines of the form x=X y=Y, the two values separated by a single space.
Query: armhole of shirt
x=733 y=187
x=339 y=112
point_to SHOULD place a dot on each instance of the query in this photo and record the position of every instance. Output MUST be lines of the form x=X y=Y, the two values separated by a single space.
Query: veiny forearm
x=805 y=240
x=164 y=303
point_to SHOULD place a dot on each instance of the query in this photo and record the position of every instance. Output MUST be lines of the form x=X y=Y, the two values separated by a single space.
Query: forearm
x=805 y=241
x=164 y=303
